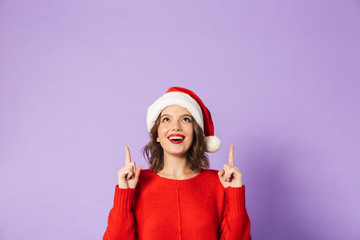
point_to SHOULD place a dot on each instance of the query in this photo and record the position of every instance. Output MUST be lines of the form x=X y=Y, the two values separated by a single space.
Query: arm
x=235 y=224
x=121 y=222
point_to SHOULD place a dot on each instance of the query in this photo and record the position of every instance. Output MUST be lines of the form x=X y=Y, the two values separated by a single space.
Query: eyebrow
x=180 y=116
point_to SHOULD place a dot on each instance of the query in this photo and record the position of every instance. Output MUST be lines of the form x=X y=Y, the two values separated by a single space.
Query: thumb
x=137 y=172
x=221 y=173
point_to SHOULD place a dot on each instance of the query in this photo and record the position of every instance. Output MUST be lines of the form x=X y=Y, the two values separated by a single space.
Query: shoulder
x=146 y=174
x=210 y=183
x=210 y=172
x=210 y=176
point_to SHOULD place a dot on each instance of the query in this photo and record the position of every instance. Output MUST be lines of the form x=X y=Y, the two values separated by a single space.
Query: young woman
x=179 y=197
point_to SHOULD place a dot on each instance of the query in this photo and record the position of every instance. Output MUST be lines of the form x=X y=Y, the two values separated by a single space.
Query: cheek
x=192 y=136
x=190 y=132
x=161 y=132
x=159 y=135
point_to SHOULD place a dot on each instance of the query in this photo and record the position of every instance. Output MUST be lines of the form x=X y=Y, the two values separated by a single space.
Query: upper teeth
x=176 y=138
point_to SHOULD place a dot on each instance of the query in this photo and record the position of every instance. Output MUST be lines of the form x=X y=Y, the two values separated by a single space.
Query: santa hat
x=185 y=98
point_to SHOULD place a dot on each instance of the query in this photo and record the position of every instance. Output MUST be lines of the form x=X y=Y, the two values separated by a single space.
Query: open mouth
x=176 y=138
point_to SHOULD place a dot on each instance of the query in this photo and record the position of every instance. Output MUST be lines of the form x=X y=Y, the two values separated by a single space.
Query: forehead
x=175 y=111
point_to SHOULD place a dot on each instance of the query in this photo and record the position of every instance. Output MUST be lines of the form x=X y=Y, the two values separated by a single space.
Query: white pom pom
x=212 y=144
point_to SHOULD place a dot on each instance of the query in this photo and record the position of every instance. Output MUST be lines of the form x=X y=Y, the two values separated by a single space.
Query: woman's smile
x=176 y=138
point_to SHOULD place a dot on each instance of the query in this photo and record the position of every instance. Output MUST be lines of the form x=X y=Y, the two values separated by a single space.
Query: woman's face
x=175 y=132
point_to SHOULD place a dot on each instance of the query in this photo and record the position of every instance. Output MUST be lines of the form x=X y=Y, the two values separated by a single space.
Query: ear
x=157 y=139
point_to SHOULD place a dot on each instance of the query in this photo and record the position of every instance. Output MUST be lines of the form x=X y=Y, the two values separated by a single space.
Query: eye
x=187 y=119
x=165 y=119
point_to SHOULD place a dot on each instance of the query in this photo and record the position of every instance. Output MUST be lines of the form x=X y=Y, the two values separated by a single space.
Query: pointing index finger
x=231 y=155
x=128 y=157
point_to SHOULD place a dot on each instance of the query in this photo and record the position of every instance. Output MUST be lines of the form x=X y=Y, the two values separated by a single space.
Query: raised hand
x=230 y=176
x=128 y=175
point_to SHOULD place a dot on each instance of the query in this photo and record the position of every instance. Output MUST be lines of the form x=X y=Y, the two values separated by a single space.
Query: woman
x=178 y=197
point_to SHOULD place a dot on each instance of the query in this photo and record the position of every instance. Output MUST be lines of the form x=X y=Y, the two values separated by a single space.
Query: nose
x=176 y=126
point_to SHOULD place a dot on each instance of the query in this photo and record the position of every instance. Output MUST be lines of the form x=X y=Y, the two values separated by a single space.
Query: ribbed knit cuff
x=123 y=198
x=236 y=198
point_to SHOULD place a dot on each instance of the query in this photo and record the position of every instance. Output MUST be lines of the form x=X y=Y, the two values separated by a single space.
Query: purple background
x=280 y=77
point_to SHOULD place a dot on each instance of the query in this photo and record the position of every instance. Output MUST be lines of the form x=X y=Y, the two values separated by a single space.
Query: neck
x=176 y=167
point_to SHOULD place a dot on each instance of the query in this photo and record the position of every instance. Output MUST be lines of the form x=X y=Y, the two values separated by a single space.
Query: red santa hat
x=185 y=98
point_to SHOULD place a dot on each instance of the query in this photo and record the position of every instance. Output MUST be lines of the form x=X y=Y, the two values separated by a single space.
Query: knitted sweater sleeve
x=121 y=221
x=235 y=224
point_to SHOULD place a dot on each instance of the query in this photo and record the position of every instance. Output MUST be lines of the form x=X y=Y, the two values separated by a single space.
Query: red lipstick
x=176 y=138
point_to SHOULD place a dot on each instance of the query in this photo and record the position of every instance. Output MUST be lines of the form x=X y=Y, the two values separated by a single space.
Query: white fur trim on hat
x=174 y=98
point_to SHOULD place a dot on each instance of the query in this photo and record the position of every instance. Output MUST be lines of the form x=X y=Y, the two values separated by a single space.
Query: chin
x=177 y=152
x=180 y=154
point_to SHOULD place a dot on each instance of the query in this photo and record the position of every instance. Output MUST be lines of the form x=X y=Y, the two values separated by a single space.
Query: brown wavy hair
x=196 y=156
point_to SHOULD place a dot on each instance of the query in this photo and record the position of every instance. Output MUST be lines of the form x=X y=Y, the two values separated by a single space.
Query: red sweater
x=192 y=209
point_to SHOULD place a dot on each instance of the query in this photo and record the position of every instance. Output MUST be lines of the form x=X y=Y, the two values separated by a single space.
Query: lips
x=176 y=138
